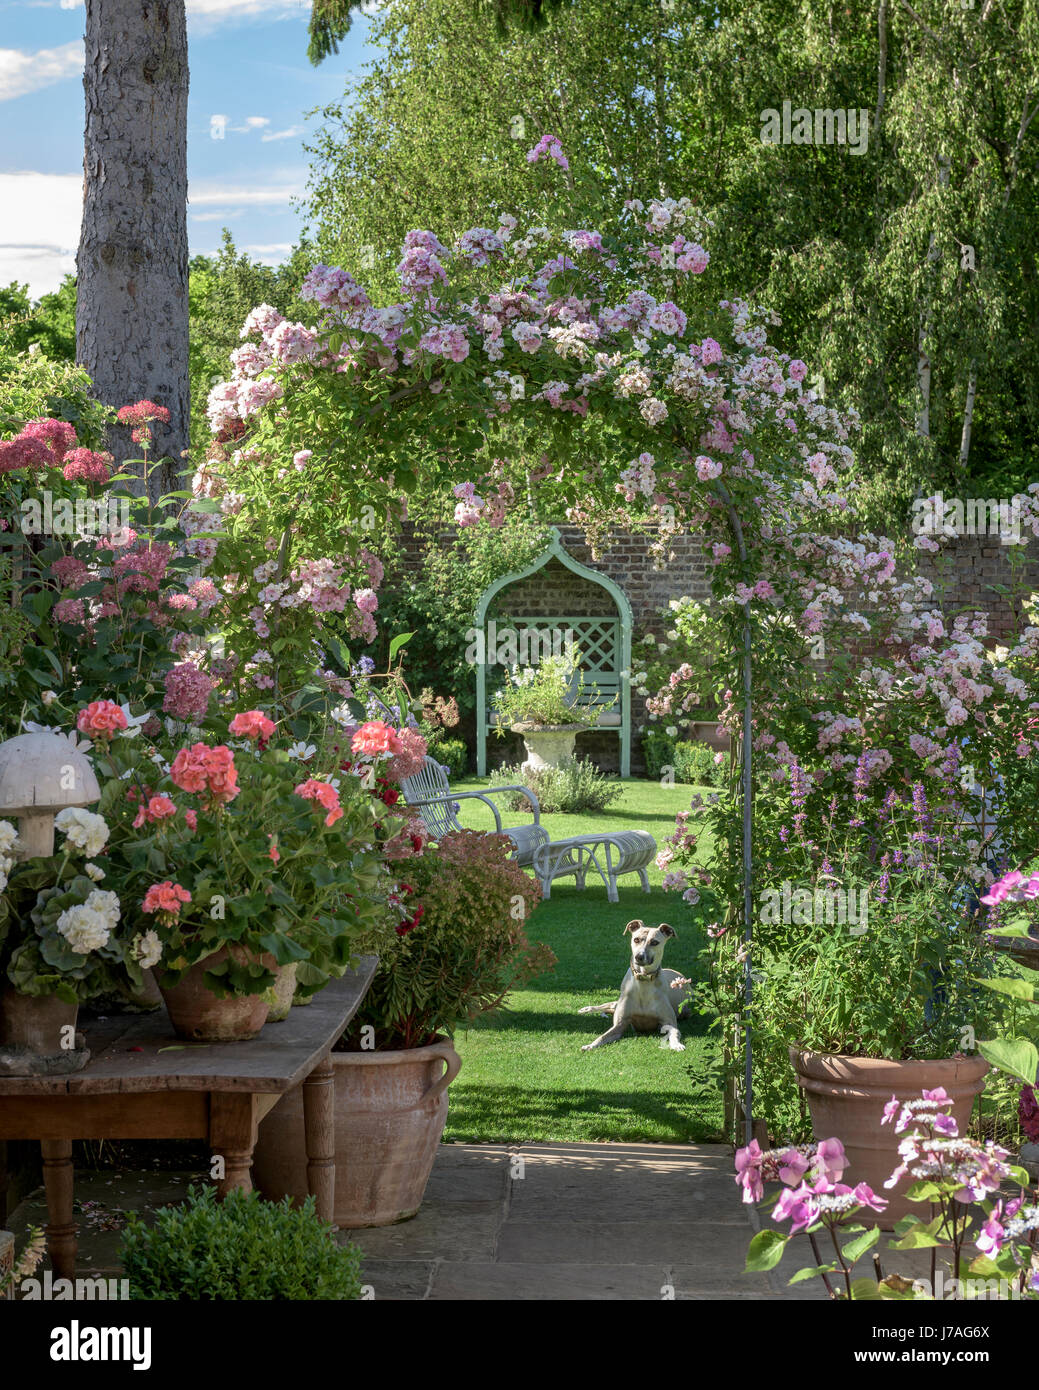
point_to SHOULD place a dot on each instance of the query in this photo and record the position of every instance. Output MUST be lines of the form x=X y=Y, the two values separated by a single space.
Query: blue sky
x=248 y=67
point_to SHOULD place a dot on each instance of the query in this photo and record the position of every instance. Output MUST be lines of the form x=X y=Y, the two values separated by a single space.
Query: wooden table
x=143 y=1083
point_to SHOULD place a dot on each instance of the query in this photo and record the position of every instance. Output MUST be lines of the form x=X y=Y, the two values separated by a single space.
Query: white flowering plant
x=59 y=931
x=547 y=694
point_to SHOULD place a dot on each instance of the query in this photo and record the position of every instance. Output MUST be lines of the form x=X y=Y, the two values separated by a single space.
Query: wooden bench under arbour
x=602 y=640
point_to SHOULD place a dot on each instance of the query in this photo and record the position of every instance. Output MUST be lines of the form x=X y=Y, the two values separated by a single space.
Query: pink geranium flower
x=166 y=897
x=101 y=719
x=252 y=724
x=374 y=738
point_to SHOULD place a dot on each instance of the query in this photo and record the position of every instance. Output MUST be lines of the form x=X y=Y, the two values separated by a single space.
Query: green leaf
x=1008 y=984
x=1017 y=1056
x=398 y=642
x=919 y=1238
x=765 y=1251
x=865 y=1291
x=811 y=1272
x=856 y=1248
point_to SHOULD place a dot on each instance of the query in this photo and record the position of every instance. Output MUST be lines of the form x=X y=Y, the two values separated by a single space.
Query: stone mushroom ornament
x=40 y=774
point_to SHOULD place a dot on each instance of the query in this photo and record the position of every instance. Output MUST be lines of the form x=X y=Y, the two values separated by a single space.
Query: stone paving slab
x=581 y=1222
x=537 y=1222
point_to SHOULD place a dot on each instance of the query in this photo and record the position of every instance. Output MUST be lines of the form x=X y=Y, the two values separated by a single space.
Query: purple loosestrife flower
x=798 y=786
x=861 y=779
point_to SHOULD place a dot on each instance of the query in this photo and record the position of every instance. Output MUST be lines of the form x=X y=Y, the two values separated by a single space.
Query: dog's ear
x=667 y=929
x=635 y=925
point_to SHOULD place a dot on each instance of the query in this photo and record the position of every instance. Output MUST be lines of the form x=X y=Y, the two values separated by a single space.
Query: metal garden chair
x=430 y=793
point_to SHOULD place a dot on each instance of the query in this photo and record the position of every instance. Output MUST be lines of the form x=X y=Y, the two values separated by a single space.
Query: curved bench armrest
x=460 y=796
x=497 y=791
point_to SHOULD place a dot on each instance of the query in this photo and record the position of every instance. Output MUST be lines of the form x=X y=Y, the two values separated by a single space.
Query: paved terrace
x=518 y=1222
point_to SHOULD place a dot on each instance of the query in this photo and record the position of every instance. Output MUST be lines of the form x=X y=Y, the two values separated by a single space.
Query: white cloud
x=270 y=253
x=290 y=134
x=21 y=73
x=40 y=216
x=215 y=11
x=273 y=195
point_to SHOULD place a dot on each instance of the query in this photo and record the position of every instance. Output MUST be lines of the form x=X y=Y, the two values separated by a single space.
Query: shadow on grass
x=516 y=1114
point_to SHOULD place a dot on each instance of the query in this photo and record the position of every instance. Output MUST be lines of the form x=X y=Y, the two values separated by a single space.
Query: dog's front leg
x=674 y=1038
x=611 y=1035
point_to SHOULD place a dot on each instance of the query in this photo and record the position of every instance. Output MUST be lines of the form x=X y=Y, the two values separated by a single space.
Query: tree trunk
x=968 y=415
x=132 y=267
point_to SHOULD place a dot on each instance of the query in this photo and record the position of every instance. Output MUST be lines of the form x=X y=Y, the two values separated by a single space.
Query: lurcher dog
x=650 y=997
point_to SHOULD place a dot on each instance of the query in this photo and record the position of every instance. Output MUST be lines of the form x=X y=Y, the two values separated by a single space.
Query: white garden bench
x=618 y=852
x=430 y=793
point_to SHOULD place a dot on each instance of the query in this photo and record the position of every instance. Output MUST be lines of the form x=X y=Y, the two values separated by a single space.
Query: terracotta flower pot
x=390 y=1111
x=281 y=992
x=38 y=1035
x=199 y=1015
x=847 y=1095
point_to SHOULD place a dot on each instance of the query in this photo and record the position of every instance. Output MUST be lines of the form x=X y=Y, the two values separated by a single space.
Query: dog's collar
x=645 y=974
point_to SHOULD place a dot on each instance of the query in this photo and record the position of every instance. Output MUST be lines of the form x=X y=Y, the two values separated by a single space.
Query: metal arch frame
x=556 y=550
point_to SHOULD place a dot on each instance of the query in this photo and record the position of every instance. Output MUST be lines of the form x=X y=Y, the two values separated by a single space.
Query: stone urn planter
x=847 y=1095
x=390 y=1111
x=710 y=732
x=199 y=1015
x=547 y=745
x=38 y=1035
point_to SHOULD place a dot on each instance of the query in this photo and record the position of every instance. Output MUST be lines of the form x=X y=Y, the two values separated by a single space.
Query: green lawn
x=524 y=1076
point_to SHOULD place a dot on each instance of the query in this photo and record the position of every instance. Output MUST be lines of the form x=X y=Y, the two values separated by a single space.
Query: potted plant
x=60 y=942
x=542 y=704
x=876 y=996
x=244 y=866
x=462 y=947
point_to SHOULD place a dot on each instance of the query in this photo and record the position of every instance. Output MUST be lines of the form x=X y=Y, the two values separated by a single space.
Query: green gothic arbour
x=612 y=666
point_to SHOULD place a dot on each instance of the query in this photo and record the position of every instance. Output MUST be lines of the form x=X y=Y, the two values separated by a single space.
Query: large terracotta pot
x=847 y=1095
x=199 y=1015
x=390 y=1111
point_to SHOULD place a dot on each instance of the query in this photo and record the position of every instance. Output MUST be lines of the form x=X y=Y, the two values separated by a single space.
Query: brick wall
x=972 y=566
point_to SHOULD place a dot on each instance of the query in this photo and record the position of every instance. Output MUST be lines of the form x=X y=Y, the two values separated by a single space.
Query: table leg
x=319 y=1130
x=58 y=1184
x=5 y=1181
x=232 y=1133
